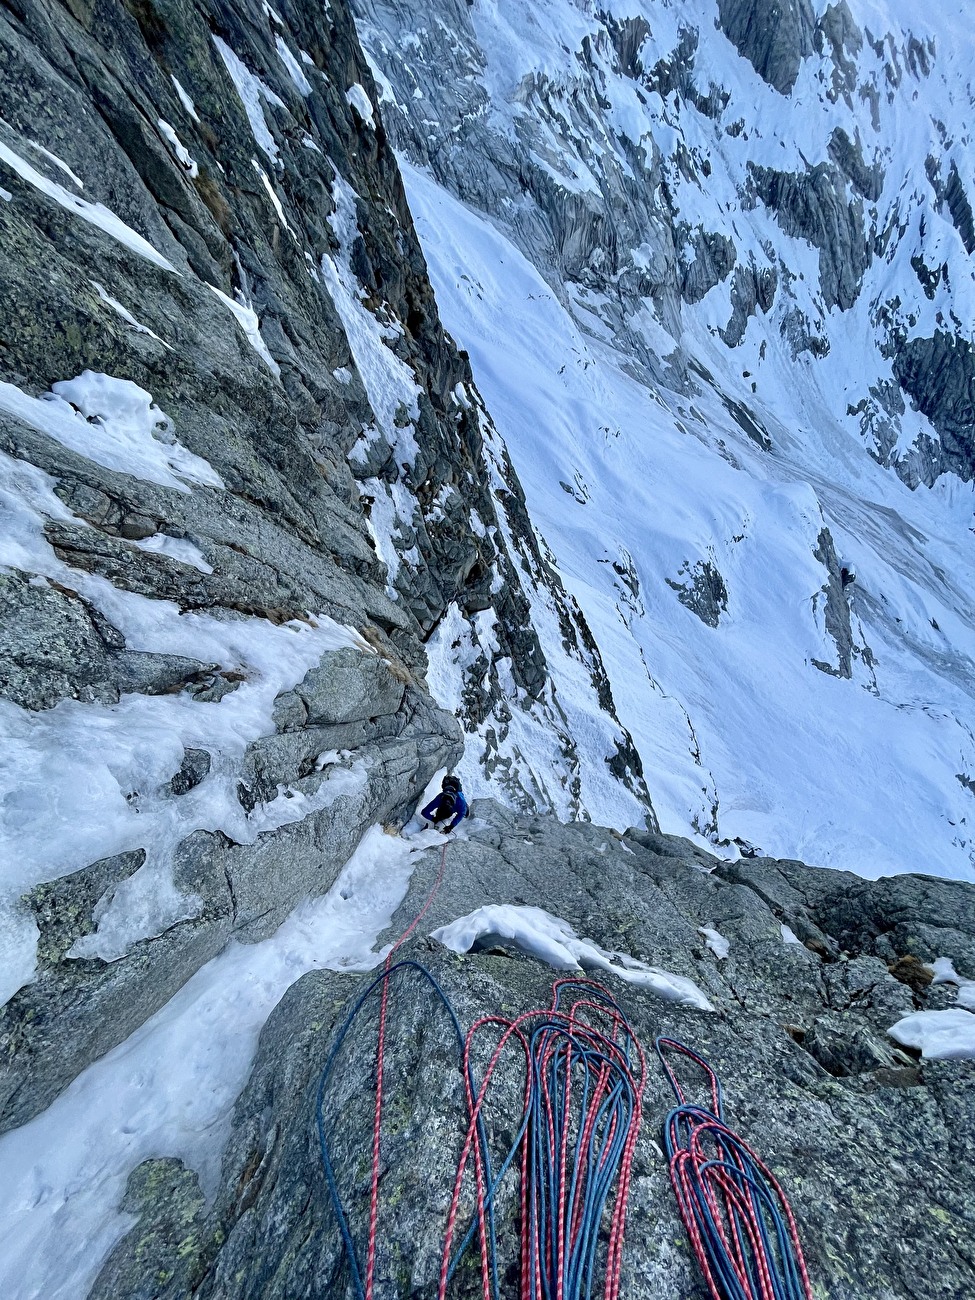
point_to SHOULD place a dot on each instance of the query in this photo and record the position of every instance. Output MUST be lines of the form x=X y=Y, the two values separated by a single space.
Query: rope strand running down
x=364 y=1288
x=740 y=1224
x=584 y=1075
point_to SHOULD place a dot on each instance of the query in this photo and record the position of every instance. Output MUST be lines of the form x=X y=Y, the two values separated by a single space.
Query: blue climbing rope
x=739 y=1221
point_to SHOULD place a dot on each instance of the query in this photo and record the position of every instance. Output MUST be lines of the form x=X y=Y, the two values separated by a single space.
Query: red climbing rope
x=380 y=1056
x=582 y=1104
x=584 y=1079
x=737 y=1216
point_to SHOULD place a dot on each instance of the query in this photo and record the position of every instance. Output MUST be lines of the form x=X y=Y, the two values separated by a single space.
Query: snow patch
x=273 y=196
x=96 y=214
x=552 y=940
x=115 y=423
x=178 y=148
x=126 y=314
x=295 y=71
x=357 y=98
x=945 y=973
x=389 y=383
x=170 y=1088
x=249 y=322
x=58 y=162
x=938 y=1035
x=251 y=90
x=185 y=100
x=176 y=548
x=718 y=944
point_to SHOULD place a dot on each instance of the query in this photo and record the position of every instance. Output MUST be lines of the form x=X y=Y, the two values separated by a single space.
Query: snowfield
x=739 y=733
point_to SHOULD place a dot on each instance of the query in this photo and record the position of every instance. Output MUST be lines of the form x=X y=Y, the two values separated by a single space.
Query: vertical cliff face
x=246 y=476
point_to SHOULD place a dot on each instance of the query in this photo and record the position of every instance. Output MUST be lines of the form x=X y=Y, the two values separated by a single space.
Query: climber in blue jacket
x=449 y=803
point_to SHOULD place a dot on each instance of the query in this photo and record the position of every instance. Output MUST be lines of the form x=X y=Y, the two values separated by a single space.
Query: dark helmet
x=451 y=785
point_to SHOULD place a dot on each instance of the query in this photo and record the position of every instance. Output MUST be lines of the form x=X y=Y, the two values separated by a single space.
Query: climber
x=449 y=803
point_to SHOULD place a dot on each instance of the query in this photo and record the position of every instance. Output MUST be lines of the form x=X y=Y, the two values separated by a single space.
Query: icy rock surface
x=871 y=1147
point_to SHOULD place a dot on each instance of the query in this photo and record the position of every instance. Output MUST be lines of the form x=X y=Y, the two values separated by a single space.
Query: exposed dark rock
x=773 y=35
x=837 y=29
x=53 y=645
x=938 y=374
x=812 y=206
x=960 y=208
x=752 y=287
x=349 y=686
x=194 y=768
x=714 y=260
x=702 y=590
x=848 y=156
x=836 y=611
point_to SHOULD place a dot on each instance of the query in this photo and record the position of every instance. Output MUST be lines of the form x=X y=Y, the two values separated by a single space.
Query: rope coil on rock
x=582 y=1103
x=739 y=1221
x=580 y=1122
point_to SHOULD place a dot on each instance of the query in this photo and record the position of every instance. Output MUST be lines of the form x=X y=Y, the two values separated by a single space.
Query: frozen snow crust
x=863 y=1137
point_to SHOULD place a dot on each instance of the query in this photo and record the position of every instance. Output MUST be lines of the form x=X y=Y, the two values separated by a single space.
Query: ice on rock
x=249 y=322
x=177 y=548
x=126 y=315
x=185 y=100
x=295 y=71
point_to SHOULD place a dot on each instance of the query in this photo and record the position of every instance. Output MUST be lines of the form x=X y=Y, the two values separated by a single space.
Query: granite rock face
x=199 y=199
x=773 y=35
x=872 y=1148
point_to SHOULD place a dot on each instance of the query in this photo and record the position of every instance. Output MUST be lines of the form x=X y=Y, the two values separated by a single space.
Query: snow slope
x=739 y=733
x=686 y=302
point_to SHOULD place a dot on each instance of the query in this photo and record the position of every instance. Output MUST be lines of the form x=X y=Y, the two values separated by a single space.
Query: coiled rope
x=584 y=1079
x=582 y=1102
x=739 y=1221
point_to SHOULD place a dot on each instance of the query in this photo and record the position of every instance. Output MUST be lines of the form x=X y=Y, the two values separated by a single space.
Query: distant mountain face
x=712 y=262
x=803 y=167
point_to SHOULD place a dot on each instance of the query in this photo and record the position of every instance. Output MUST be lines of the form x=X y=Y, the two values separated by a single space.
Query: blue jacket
x=460 y=803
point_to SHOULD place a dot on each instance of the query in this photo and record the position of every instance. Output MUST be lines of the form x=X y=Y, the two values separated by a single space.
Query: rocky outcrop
x=836 y=609
x=872 y=1147
x=813 y=207
x=773 y=36
x=702 y=589
x=939 y=375
x=83 y=1000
